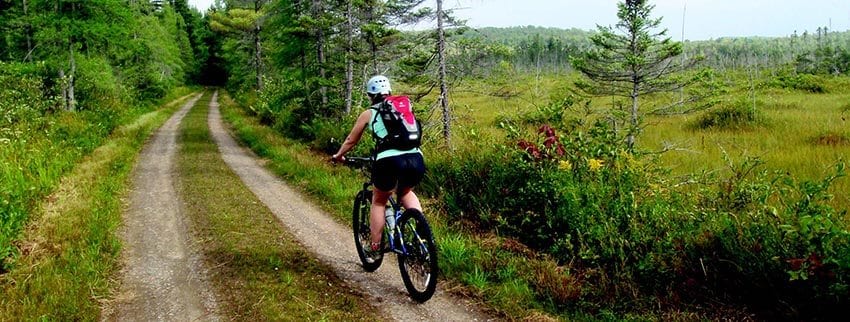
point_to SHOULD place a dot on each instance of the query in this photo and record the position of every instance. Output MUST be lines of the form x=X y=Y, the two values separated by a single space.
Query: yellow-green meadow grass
x=804 y=134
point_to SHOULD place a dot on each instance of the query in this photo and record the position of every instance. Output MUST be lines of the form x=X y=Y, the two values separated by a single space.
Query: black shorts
x=401 y=171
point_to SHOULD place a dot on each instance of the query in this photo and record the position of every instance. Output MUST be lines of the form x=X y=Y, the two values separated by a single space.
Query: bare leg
x=408 y=199
x=376 y=218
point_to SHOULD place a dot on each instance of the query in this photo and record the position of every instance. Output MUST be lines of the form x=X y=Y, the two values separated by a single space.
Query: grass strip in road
x=462 y=259
x=332 y=187
x=70 y=248
x=261 y=272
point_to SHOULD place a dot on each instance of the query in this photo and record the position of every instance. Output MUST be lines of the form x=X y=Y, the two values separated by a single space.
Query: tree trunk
x=258 y=57
x=373 y=46
x=633 y=124
x=64 y=86
x=444 y=95
x=28 y=31
x=349 y=61
x=72 y=102
x=320 y=50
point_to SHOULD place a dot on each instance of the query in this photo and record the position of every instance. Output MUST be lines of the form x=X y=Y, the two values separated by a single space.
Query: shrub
x=22 y=96
x=615 y=220
x=328 y=135
x=97 y=88
x=845 y=108
x=738 y=115
x=831 y=139
x=801 y=82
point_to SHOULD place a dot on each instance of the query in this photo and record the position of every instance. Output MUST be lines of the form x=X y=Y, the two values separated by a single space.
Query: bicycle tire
x=418 y=266
x=362 y=232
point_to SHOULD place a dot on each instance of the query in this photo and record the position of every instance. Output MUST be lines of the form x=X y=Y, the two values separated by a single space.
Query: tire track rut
x=163 y=277
x=331 y=242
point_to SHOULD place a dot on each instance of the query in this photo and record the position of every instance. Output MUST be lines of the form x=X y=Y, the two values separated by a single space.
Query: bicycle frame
x=390 y=231
x=416 y=255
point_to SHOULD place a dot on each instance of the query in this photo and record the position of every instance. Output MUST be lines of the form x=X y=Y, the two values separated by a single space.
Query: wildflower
x=546 y=130
x=595 y=164
x=565 y=165
x=550 y=141
x=529 y=148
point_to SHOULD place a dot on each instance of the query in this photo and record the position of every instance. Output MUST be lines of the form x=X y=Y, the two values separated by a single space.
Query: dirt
x=164 y=278
x=333 y=243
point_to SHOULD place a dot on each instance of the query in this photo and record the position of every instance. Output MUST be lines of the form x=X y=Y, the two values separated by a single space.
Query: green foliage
x=740 y=114
x=99 y=89
x=795 y=81
x=634 y=60
x=751 y=235
x=21 y=98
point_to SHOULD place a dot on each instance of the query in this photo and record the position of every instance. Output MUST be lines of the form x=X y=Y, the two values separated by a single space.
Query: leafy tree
x=826 y=58
x=244 y=20
x=633 y=60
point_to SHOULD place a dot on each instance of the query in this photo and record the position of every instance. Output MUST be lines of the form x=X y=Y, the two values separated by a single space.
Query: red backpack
x=403 y=130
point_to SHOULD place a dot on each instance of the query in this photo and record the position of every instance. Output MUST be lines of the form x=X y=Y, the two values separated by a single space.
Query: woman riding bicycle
x=396 y=170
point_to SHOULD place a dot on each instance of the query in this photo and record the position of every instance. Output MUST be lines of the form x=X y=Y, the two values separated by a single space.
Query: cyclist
x=396 y=170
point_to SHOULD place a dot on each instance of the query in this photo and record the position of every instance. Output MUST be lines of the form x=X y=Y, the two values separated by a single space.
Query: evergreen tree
x=243 y=20
x=632 y=59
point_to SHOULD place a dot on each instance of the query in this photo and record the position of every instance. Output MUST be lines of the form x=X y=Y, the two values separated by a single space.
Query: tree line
x=308 y=59
x=528 y=48
x=149 y=47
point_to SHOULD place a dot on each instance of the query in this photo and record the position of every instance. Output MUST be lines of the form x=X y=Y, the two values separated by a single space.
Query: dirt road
x=163 y=278
x=333 y=243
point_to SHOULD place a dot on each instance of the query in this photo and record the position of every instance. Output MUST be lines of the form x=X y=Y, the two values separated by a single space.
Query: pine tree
x=633 y=59
x=245 y=20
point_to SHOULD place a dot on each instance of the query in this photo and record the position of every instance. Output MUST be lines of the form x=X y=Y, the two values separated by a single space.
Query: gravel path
x=162 y=277
x=332 y=243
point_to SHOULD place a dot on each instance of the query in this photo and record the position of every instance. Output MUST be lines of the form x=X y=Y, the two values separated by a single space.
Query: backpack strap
x=379 y=142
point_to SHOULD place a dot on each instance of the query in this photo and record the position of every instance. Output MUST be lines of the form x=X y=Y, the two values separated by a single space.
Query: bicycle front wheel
x=362 y=233
x=418 y=263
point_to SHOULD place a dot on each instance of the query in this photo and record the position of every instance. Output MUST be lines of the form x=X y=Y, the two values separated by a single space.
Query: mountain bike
x=410 y=238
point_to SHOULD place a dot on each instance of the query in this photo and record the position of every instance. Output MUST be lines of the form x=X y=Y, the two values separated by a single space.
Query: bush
x=738 y=115
x=329 y=133
x=749 y=235
x=800 y=82
x=22 y=96
x=831 y=139
x=97 y=87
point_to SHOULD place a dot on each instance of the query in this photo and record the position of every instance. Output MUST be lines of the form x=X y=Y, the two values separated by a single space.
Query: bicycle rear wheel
x=362 y=232
x=418 y=265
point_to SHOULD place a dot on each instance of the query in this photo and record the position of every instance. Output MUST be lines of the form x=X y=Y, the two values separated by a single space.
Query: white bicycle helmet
x=378 y=85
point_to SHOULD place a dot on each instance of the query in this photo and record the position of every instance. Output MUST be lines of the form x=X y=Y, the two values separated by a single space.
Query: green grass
x=307 y=170
x=36 y=152
x=785 y=139
x=787 y=143
x=498 y=272
x=69 y=249
x=260 y=269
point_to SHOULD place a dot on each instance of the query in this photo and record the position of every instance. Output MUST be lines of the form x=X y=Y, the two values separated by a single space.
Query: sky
x=703 y=19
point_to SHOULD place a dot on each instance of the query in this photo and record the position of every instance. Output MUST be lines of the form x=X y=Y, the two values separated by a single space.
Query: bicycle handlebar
x=359 y=162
